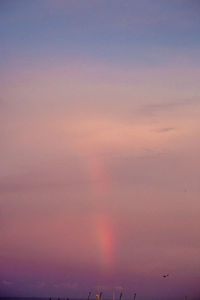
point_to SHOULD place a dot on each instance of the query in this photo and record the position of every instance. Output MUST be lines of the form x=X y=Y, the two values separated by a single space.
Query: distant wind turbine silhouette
x=89 y=295
x=120 y=297
x=99 y=295
x=113 y=298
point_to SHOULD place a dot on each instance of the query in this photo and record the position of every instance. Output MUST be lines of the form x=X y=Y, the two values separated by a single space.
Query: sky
x=99 y=148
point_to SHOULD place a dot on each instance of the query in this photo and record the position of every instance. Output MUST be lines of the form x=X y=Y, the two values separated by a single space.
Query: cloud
x=168 y=106
x=6 y=282
x=103 y=287
x=109 y=288
x=119 y=288
x=68 y=285
x=42 y=285
x=165 y=129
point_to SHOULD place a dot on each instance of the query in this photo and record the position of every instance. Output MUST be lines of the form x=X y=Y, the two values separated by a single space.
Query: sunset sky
x=100 y=148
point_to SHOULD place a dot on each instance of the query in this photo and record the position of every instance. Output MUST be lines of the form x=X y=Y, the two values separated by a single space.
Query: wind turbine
x=120 y=297
x=89 y=295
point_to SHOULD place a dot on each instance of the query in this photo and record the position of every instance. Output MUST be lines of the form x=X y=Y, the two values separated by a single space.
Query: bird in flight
x=165 y=275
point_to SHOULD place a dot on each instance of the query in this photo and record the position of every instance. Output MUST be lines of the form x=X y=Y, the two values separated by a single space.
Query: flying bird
x=165 y=275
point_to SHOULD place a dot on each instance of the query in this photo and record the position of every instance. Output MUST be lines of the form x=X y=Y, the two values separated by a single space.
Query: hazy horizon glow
x=99 y=177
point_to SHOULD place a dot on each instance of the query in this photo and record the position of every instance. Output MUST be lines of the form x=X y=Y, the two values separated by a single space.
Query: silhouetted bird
x=166 y=275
